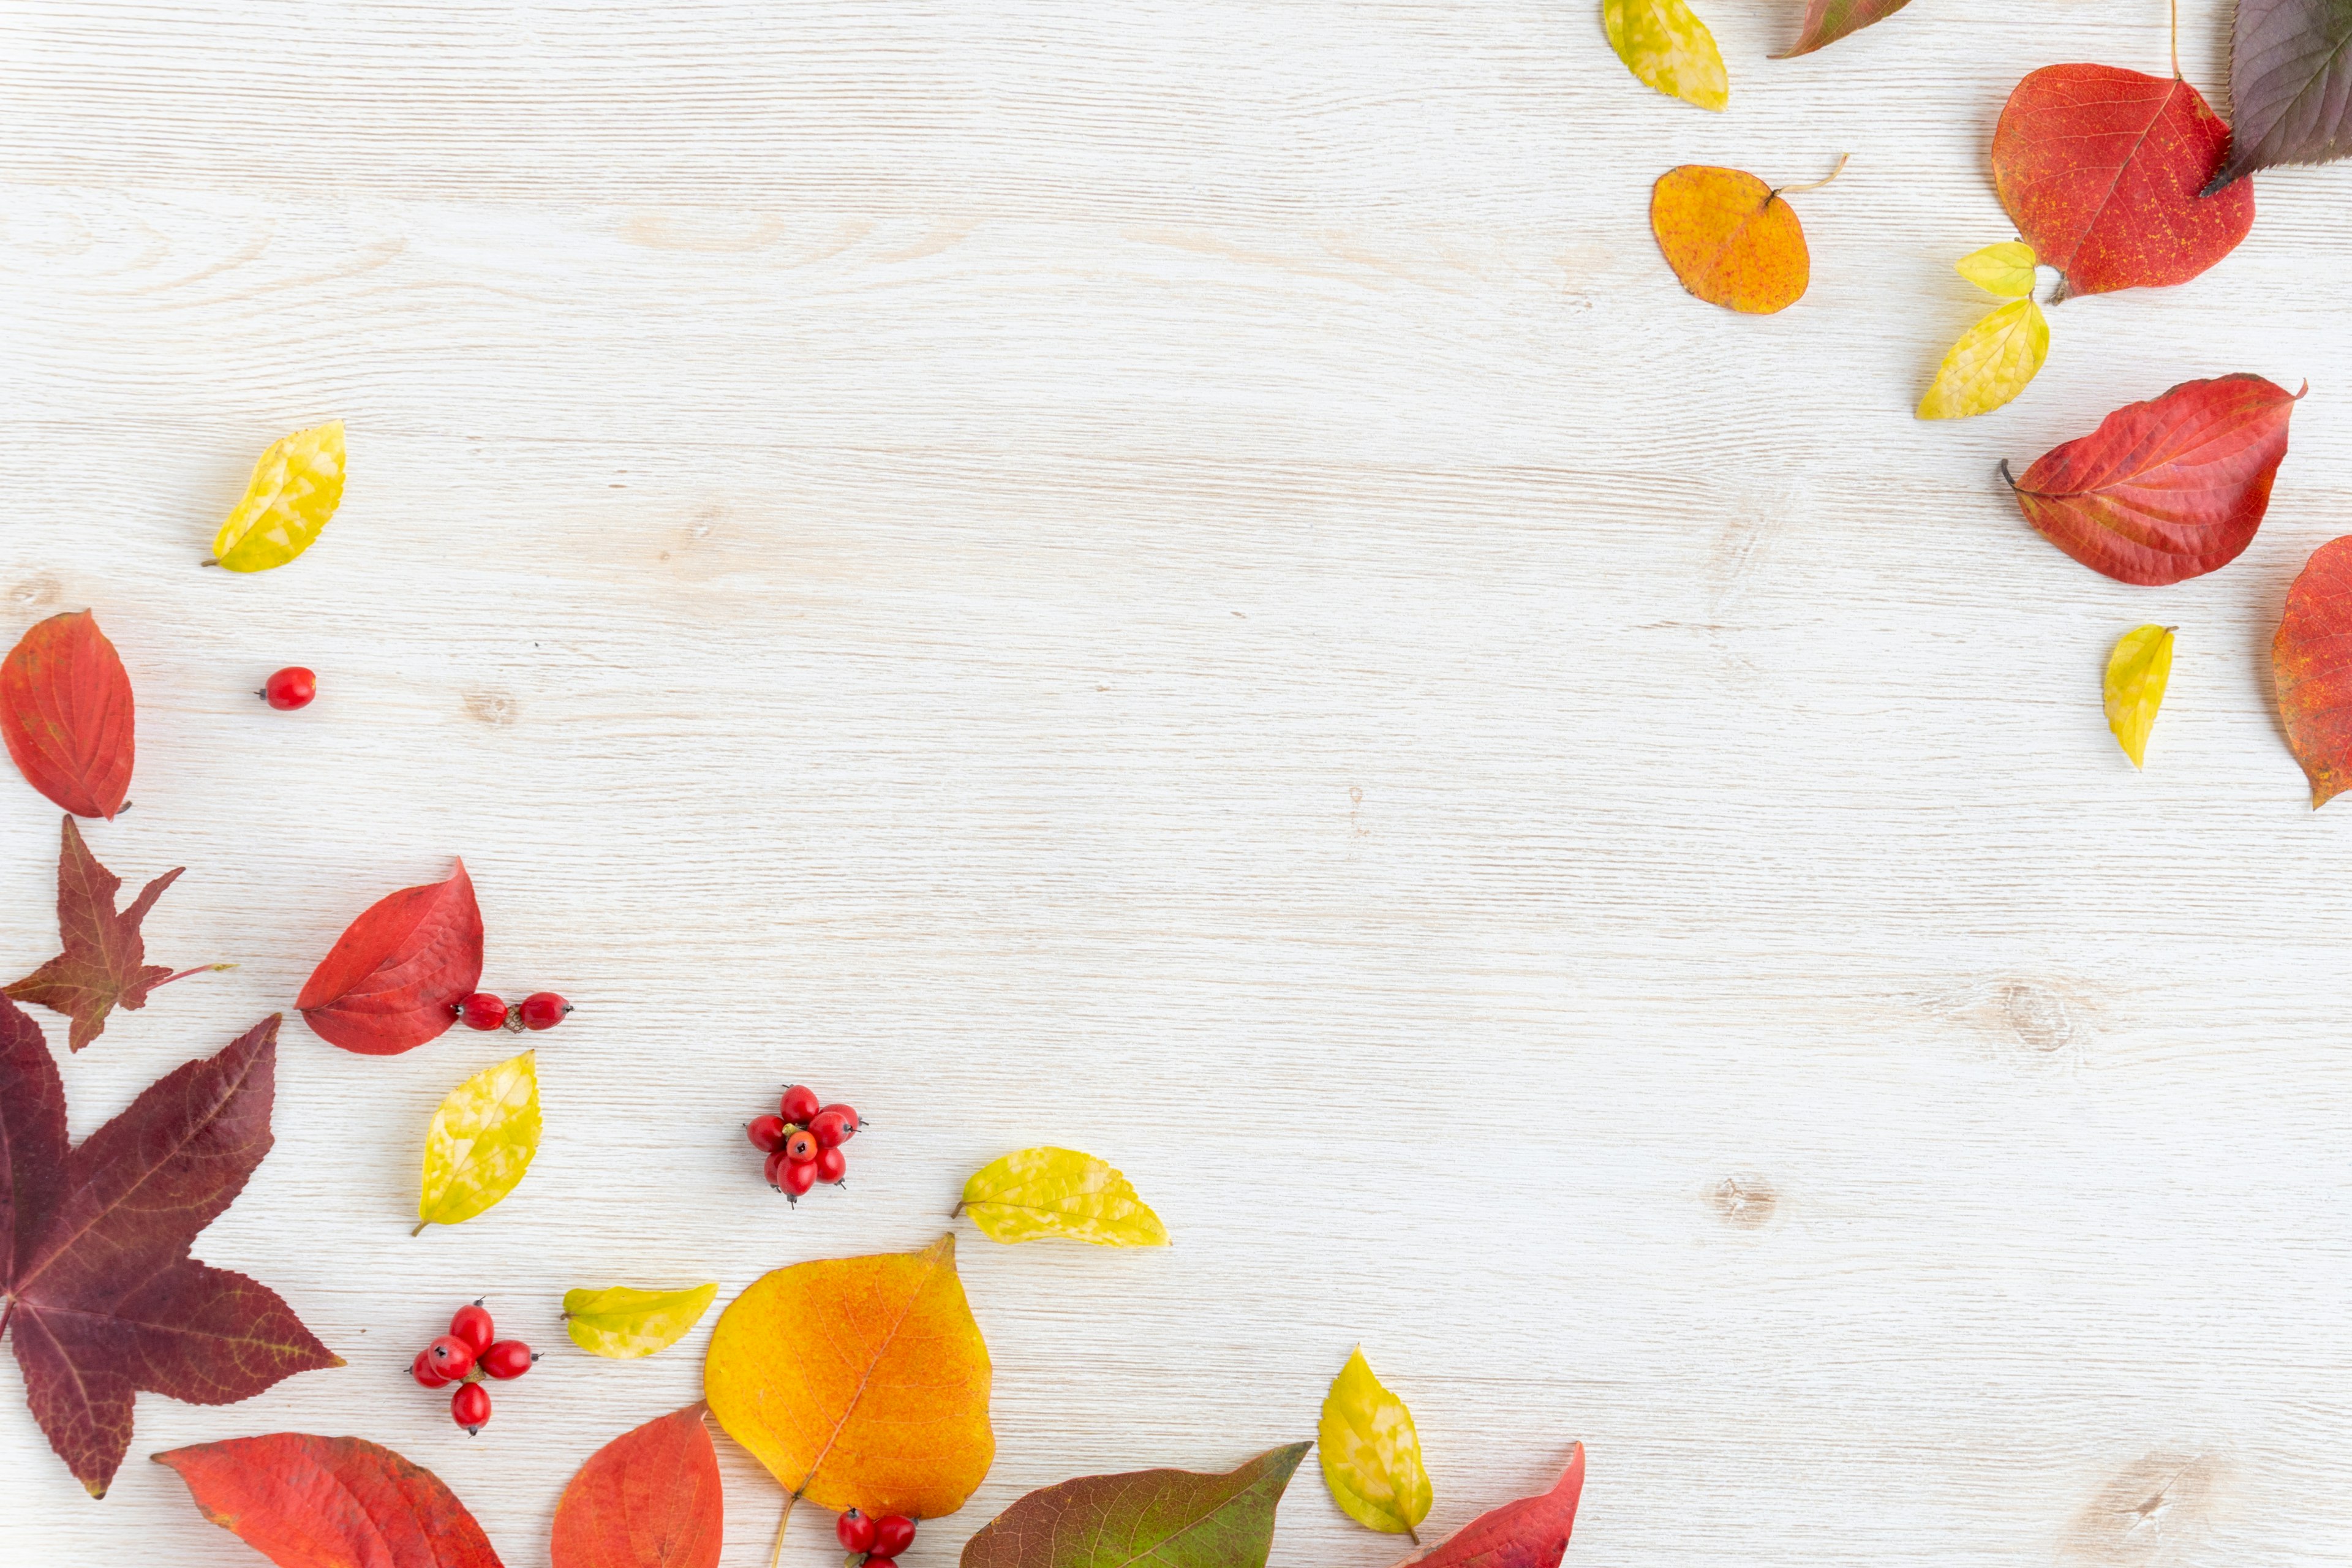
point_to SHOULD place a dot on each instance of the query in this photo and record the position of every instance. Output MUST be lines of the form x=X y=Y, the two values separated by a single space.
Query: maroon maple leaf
x=104 y=965
x=101 y=1299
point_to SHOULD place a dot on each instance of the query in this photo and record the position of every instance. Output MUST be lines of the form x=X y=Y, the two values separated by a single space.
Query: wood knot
x=489 y=706
x=1744 y=1200
x=2039 y=1015
x=38 y=591
x=2149 y=1513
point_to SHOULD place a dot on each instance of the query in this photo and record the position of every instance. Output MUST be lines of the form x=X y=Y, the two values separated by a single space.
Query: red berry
x=452 y=1357
x=799 y=1176
x=876 y=1560
x=831 y=1164
x=507 y=1358
x=480 y=1010
x=829 y=1130
x=855 y=1532
x=543 y=1010
x=766 y=1134
x=800 y=1104
x=848 y=1120
x=893 y=1533
x=773 y=1167
x=470 y=1407
x=801 y=1146
x=290 y=688
x=472 y=1325
x=423 y=1370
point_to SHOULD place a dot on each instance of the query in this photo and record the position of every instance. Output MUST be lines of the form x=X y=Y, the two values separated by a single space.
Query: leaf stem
x=199 y=969
x=1415 y=1534
x=420 y=1228
x=1817 y=184
x=778 y=1554
x=2176 y=40
x=2007 y=477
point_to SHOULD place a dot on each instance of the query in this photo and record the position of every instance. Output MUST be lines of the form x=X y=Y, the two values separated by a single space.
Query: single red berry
x=766 y=1134
x=507 y=1358
x=849 y=1122
x=452 y=1357
x=472 y=1325
x=290 y=688
x=831 y=1164
x=801 y=1146
x=773 y=1167
x=480 y=1010
x=423 y=1370
x=876 y=1560
x=799 y=1176
x=543 y=1010
x=800 y=1104
x=855 y=1532
x=470 y=1407
x=893 y=1533
x=829 y=1130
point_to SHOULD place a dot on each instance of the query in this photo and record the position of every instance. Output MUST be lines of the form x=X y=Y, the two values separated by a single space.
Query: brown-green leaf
x=1827 y=21
x=1175 y=1519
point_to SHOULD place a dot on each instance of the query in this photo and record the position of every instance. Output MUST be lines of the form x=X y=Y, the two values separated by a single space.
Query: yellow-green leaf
x=1059 y=1192
x=480 y=1143
x=1370 y=1453
x=2136 y=673
x=1990 y=363
x=624 y=1323
x=2006 y=268
x=1663 y=44
x=294 y=492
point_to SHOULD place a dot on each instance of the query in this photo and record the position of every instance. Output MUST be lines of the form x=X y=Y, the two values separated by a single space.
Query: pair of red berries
x=803 y=1144
x=290 y=688
x=880 y=1540
x=540 y=1010
x=469 y=1352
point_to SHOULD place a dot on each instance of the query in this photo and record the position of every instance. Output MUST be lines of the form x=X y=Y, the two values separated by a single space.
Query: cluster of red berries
x=540 y=1010
x=803 y=1144
x=290 y=688
x=877 y=1541
x=469 y=1352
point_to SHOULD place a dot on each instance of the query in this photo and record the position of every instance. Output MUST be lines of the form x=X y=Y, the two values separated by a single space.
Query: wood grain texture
x=1181 y=579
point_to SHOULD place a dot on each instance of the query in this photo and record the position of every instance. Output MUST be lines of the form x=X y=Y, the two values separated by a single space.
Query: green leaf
x=1045 y=1191
x=622 y=1323
x=1167 y=1519
x=1370 y=1453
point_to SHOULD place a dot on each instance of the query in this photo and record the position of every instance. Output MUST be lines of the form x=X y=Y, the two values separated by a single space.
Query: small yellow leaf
x=2136 y=673
x=1990 y=363
x=1668 y=47
x=294 y=492
x=2006 y=268
x=623 y=1323
x=1059 y=1192
x=1371 y=1455
x=481 y=1141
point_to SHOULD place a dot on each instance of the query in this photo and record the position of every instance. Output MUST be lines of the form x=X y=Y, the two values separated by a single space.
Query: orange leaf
x=65 y=710
x=648 y=1499
x=2311 y=662
x=1730 y=238
x=303 y=1501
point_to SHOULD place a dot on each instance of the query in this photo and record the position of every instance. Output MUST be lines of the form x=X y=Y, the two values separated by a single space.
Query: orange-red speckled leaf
x=1730 y=238
x=648 y=1499
x=326 y=1502
x=2311 y=663
x=65 y=712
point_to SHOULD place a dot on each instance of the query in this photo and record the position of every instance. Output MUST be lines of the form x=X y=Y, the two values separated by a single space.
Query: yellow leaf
x=1059 y=1192
x=2006 y=268
x=1990 y=363
x=294 y=492
x=480 y=1143
x=1371 y=1455
x=1667 y=46
x=623 y=1323
x=859 y=1382
x=2136 y=673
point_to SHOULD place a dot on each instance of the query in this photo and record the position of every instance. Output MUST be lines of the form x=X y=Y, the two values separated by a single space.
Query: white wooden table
x=1181 y=579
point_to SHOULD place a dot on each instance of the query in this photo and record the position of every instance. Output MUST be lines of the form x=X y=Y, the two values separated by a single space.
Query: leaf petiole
x=1816 y=184
x=777 y=1556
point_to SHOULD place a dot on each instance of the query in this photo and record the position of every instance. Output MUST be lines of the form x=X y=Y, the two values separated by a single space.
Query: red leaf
x=323 y=1502
x=648 y=1499
x=393 y=980
x=1530 y=1533
x=105 y=1298
x=2100 y=169
x=2166 y=489
x=66 y=710
x=2311 y=662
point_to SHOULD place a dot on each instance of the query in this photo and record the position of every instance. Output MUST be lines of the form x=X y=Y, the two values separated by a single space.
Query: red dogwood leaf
x=326 y=1502
x=102 y=1298
x=393 y=979
x=2311 y=663
x=2100 y=169
x=1532 y=1532
x=66 y=710
x=648 y=1499
x=104 y=965
x=2166 y=489
x=1827 y=21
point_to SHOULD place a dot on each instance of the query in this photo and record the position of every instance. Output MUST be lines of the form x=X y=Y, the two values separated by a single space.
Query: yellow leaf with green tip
x=1370 y=1453
x=623 y=1323
x=293 y=494
x=1991 y=364
x=481 y=1141
x=2006 y=268
x=2136 y=673
x=1059 y=1192
x=1661 y=42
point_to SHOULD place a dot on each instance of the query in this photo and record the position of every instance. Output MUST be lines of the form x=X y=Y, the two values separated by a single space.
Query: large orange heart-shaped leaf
x=648 y=1499
x=2311 y=661
x=393 y=979
x=65 y=712
x=859 y=1382
x=304 y=1501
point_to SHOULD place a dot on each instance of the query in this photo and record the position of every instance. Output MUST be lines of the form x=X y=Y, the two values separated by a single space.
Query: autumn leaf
x=480 y=1143
x=1532 y=1532
x=2006 y=269
x=1370 y=1452
x=2136 y=674
x=393 y=979
x=293 y=494
x=1041 y=1191
x=1732 y=239
x=2100 y=169
x=327 y=1502
x=1668 y=47
x=102 y=1299
x=859 y=1382
x=2290 y=85
x=2311 y=663
x=66 y=713
x=1991 y=363
x=623 y=1324
x=1168 y=1519
x=1827 y=21
x=2167 y=490
x=648 y=1499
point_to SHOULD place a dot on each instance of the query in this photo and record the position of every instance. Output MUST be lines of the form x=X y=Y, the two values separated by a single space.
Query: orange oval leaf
x=304 y=1501
x=1730 y=238
x=393 y=979
x=648 y=1499
x=2311 y=662
x=65 y=710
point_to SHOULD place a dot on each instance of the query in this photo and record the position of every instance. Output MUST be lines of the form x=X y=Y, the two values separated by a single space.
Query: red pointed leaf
x=66 y=710
x=2290 y=84
x=327 y=1502
x=2311 y=662
x=393 y=979
x=2100 y=169
x=1827 y=21
x=648 y=1499
x=106 y=1300
x=1530 y=1533
x=2166 y=489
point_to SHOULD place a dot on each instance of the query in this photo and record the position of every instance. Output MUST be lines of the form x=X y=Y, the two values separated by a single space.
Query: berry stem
x=777 y=1556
